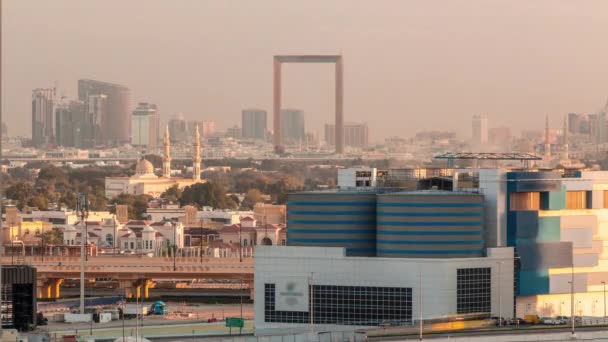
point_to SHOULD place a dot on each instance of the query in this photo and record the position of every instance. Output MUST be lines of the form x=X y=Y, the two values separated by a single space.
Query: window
x=473 y=290
x=524 y=201
x=576 y=200
x=346 y=305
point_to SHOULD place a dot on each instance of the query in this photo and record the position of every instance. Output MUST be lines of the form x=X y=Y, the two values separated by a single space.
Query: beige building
x=145 y=182
x=269 y=213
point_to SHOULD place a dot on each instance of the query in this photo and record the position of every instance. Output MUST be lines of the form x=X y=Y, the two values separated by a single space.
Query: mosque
x=146 y=182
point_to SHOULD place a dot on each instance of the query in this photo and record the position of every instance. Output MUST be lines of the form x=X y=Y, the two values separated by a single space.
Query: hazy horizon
x=408 y=65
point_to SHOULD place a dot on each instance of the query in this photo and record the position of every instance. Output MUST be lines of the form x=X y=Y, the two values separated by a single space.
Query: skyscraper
x=293 y=126
x=480 y=129
x=207 y=128
x=70 y=125
x=355 y=134
x=145 y=126
x=253 y=122
x=97 y=115
x=43 y=116
x=116 y=128
x=178 y=130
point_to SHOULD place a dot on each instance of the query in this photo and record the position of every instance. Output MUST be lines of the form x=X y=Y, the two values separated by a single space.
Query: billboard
x=292 y=294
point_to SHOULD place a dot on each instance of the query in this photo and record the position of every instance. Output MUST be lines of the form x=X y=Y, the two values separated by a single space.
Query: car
x=550 y=321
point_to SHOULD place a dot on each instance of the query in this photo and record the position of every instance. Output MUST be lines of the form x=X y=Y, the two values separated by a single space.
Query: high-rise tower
x=566 y=155
x=547 y=144
x=167 y=155
x=196 y=157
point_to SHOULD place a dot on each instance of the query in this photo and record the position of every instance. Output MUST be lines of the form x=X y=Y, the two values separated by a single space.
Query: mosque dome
x=144 y=167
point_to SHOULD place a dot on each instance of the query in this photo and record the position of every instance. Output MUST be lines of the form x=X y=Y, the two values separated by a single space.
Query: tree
x=207 y=194
x=137 y=204
x=252 y=197
x=52 y=237
x=39 y=201
x=173 y=194
x=20 y=192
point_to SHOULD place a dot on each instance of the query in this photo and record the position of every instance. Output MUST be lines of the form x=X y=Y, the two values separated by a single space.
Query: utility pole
x=420 y=308
x=83 y=208
x=174 y=245
x=604 y=283
x=572 y=301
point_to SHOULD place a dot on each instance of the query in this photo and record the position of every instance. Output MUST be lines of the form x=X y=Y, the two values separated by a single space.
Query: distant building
x=265 y=213
x=116 y=129
x=207 y=128
x=178 y=128
x=355 y=134
x=293 y=126
x=97 y=115
x=253 y=123
x=357 y=178
x=145 y=182
x=43 y=116
x=234 y=132
x=144 y=126
x=480 y=129
x=70 y=124
x=500 y=135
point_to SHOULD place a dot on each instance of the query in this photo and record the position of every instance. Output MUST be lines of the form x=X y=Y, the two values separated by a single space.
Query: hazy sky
x=408 y=65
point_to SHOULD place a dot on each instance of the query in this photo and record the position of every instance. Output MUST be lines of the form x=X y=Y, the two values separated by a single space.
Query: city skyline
x=459 y=58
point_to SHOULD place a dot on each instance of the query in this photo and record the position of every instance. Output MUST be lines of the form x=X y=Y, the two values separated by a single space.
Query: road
x=177 y=329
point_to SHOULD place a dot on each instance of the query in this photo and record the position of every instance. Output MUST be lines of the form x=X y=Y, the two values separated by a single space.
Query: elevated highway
x=133 y=273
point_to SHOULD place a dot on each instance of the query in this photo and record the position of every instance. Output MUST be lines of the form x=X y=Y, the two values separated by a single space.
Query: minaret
x=196 y=158
x=547 y=144
x=566 y=140
x=167 y=156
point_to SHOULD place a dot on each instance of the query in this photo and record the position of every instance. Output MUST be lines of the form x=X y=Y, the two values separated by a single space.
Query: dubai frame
x=277 y=85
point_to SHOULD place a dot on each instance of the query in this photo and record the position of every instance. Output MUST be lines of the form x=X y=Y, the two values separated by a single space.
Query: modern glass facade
x=346 y=305
x=474 y=290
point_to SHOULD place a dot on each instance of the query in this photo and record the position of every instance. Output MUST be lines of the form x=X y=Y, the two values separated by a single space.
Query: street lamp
x=604 y=283
x=83 y=209
x=174 y=245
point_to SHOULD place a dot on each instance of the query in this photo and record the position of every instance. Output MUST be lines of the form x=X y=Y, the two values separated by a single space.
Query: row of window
x=532 y=200
x=346 y=305
x=361 y=305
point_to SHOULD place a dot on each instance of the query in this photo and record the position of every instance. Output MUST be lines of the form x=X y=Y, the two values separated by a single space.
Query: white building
x=145 y=126
x=357 y=292
x=357 y=178
x=145 y=182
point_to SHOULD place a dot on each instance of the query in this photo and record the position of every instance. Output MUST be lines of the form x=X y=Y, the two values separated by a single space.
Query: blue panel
x=371 y=222
x=418 y=242
x=553 y=200
x=548 y=229
x=432 y=214
x=524 y=223
x=332 y=231
x=330 y=212
x=401 y=251
x=472 y=232
x=533 y=282
x=306 y=240
x=334 y=204
x=430 y=223
x=432 y=205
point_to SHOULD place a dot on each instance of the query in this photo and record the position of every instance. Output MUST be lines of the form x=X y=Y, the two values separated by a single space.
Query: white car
x=550 y=321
